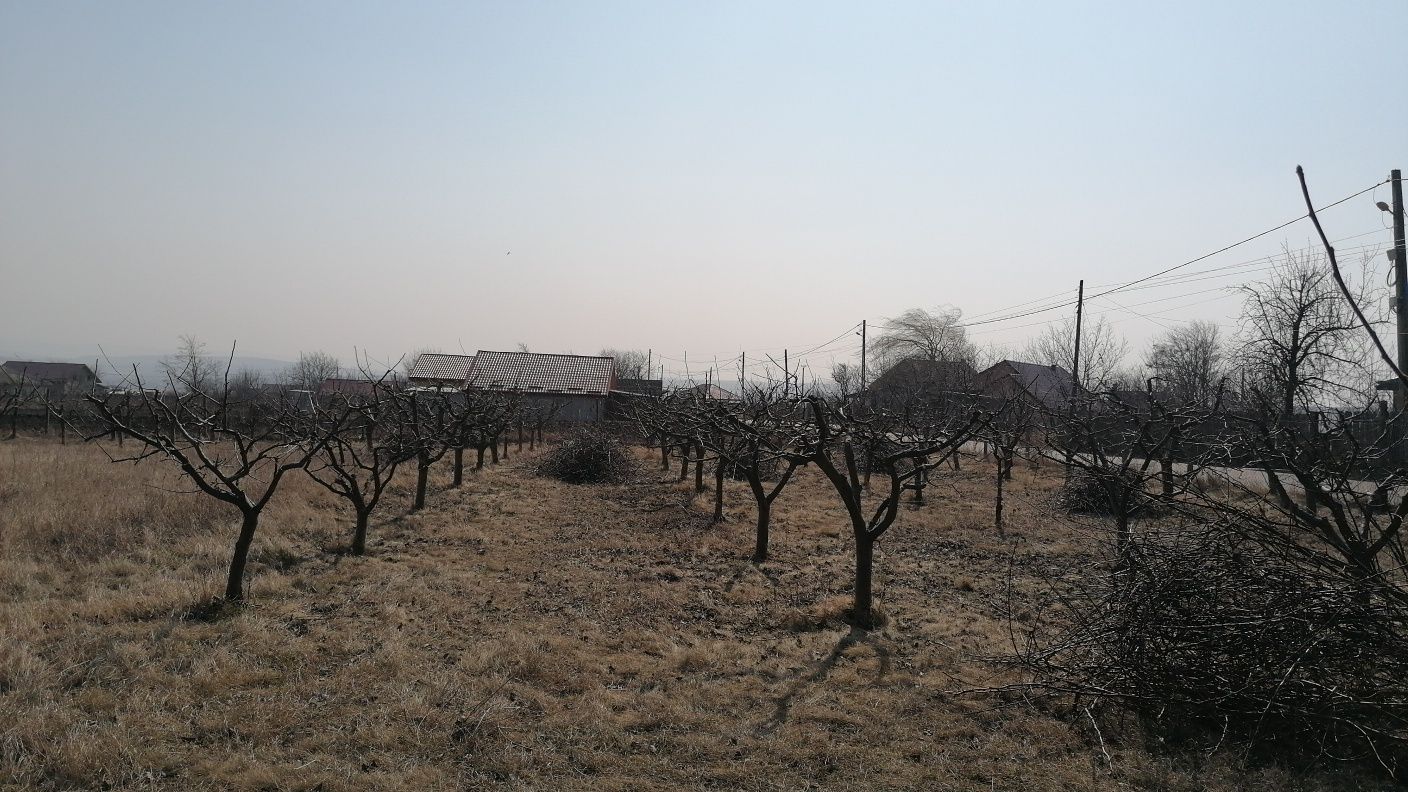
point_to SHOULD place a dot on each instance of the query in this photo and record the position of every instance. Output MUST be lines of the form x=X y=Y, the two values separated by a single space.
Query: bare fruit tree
x=357 y=457
x=196 y=432
x=914 y=445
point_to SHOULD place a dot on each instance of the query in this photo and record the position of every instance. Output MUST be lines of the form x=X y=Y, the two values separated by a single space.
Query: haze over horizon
x=689 y=178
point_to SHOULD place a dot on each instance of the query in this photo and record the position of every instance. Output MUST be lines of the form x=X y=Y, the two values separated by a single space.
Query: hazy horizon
x=696 y=179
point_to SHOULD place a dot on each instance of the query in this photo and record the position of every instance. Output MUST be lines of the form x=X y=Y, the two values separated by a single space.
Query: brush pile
x=589 y=455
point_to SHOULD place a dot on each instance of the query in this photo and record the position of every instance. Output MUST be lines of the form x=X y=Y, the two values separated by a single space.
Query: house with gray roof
x=1047 y=388
x=57 y=380
x=576 y=386
x=440 y=370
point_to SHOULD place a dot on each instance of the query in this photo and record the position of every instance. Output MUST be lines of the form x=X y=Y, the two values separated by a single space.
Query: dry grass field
x=523 y=633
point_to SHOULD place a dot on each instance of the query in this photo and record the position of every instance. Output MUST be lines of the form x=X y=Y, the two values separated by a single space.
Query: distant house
x=709 y=391
x=439 y=370
x=57 y=380
x=577 y=386
x=920 y=379
x=351 y=389
x=1047 y=388
x=641 y=387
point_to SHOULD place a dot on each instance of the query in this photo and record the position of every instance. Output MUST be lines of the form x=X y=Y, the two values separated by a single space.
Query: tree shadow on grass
x=819 y=670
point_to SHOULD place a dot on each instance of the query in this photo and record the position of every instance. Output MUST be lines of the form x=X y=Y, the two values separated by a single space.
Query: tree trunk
x=520 y=435
x=760 y=547
x=997 y=516
x=861 y=609
x=699 y=469
x=479 y=460
x=422 y=479
x=505 y=454
x=719 y=491
x=664 y=454
x=684 y=462
x=459 y=466
x=234 y=584
x=359 y=534
x=494 y=450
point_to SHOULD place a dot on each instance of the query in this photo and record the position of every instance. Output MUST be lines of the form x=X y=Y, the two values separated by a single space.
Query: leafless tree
x=190 y=368
x=913 y=448
x=1299 y=346
x=1102 y=352
x=1188 y=362
x=425 y=423
x=312 y=369
x=1013 y=423
x=17 y=393
x=918 y=333
x=630 y=363
x=192 y=431
x=846 y=377
x=357 y=457
x=476 y=418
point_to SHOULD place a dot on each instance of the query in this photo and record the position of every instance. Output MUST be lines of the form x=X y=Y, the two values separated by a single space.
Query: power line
x=1175 y=267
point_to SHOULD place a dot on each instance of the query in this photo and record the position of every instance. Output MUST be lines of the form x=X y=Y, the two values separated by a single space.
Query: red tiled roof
x=439 y=366
x=531 y=372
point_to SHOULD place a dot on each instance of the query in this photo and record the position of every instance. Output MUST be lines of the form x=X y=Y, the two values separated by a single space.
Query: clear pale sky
x=706 y=177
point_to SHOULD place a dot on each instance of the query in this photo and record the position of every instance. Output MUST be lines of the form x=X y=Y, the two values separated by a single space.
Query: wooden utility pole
x=742 y=373
x=1075 y=371
x=786 y=375
x=1400 y=274
x=862 y=355
x=1075 y=360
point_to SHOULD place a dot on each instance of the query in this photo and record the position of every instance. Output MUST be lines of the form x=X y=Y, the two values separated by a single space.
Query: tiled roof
x=532 y=372
x=710 y=391
x=439 y=366
x=922 y=374
x=1049 y=385
x=644 y=387
x=347 y=387
x=48 y=372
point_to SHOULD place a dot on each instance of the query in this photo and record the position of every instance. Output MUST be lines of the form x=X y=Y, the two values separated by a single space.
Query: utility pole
x=649 y=363
x=862 y=355
x=742 y=374
x=1400 y=274
x=786 y=375
x=1075 y=360
x=1075 y=371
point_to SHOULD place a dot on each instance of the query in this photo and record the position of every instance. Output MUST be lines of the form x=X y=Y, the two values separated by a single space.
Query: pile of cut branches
x=589 y=455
